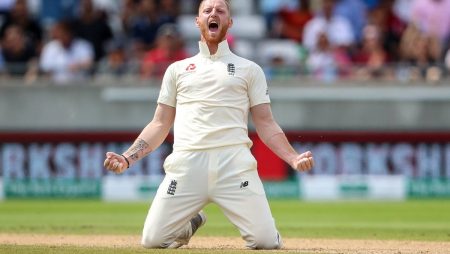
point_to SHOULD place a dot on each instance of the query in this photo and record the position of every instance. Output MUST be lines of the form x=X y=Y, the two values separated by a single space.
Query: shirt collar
x=222 y=50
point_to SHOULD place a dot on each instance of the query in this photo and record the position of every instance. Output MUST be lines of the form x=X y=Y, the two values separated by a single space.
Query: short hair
x=227 y=2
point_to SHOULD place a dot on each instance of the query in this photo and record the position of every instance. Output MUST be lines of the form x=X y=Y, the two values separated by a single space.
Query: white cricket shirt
x=212 y=95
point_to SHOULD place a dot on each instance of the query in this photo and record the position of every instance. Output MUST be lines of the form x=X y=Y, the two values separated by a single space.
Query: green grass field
x=423 y=220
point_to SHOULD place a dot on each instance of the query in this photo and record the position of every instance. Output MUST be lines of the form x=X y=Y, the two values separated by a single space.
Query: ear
x=230 y=23
x=196 y=22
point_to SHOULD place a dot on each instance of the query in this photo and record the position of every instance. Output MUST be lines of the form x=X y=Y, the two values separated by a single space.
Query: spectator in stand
x=19 y=16
x=371 y=58
x=116 y=63
x=19 y=56
x=169 y=49
x=402 y=9
x=327 y=63
x=270 y=10
x=169 y=11
x=92 y=26
x=66 y=59
x=293 y=21
x=337 y=29
x=128 y=14
x=145 y=26
x=423 y=41
x=355 y=11
x=432 y=17
x=389 y=24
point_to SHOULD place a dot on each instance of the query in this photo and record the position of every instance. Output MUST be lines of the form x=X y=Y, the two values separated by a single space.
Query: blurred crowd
x=72 y=41
x=366 y=39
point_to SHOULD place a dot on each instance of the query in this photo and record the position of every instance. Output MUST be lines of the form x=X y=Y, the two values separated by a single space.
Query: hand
x=115 y=162
x=303 y=162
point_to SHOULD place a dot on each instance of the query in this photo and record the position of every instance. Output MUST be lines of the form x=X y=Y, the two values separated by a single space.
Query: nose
x=214 y=12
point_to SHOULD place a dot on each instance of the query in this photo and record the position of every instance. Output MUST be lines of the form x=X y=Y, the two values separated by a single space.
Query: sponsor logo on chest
x=191 y=67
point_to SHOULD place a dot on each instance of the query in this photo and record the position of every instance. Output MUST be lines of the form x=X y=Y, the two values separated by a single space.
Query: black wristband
x=128 y=162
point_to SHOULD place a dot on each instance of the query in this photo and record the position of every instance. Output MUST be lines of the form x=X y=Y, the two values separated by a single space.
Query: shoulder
x=243 y=62
x=181 y=66
x=248 y=68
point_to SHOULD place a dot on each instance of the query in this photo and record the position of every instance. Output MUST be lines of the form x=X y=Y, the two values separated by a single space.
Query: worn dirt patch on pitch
x=290 y=244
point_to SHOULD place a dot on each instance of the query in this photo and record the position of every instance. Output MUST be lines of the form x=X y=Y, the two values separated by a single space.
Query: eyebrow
x=211 y=7
x=204 y=3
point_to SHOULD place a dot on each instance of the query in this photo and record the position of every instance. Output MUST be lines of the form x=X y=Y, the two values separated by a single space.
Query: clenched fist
x=115 y=162
x=303 y=162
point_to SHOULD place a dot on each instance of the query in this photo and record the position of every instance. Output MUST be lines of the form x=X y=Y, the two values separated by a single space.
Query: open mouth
x=213 y=26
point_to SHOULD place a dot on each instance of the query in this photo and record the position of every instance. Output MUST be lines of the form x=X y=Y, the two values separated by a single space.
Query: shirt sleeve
x=168 y=92
x=258 y=91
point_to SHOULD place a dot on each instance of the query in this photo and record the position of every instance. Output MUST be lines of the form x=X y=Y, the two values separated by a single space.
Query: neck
x=212 y=46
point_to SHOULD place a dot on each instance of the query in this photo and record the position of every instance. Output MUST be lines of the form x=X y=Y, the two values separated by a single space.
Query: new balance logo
x=244 y=184
x=172 y=188
x=231 y=69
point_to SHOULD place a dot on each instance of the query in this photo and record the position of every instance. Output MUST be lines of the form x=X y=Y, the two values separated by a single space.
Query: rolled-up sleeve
x=258 y=90
x=168 y=92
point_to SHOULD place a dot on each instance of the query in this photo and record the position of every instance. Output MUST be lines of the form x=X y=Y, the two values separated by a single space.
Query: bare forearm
x=150 y=138
x=280 y=145
x=271 y=133
x=274 y=137
x=139 y=149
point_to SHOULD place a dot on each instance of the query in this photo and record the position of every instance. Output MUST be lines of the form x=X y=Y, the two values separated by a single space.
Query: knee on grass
x=154 y=242
x=265 y=242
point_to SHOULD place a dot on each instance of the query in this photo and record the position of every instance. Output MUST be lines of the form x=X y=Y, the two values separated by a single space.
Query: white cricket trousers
x=226 y=176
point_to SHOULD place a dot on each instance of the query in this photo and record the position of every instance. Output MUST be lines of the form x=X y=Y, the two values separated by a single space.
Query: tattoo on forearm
x=138 y=148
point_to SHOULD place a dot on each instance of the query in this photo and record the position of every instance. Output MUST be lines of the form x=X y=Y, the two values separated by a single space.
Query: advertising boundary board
x=138 y=188
x=52 y=188
x=429 y=188
x=132 y=188
x=362 y=187
x=422 y=159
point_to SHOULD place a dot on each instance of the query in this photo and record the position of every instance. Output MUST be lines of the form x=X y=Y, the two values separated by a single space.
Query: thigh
x=180 y=196
x=242 y=198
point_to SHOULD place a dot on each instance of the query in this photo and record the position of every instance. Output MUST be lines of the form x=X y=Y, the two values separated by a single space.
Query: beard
x=218 y=37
